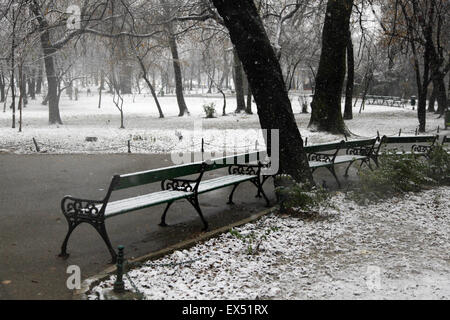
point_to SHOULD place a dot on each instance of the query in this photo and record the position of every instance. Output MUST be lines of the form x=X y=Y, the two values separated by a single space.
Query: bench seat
x=348 y=158
x=221 y=182
x=319 y=164
x=140 y=202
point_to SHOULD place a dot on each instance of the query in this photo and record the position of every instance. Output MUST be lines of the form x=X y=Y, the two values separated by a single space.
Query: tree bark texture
x=326 y=112
x=267 y=84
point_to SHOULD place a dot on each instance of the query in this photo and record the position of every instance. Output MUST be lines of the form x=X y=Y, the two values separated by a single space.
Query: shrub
x=439 y=165
x=210 y=110
x=298 y=197
x=400 y=173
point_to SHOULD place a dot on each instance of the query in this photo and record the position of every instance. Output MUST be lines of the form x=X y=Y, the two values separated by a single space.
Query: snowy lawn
x=399 y=249
x=149 y=134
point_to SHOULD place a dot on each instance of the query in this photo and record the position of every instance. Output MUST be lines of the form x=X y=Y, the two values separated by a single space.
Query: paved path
x=32 y=226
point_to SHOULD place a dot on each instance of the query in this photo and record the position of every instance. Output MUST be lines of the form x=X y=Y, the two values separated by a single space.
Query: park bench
x=327 y=155
x=419 y=145
x=241 y=168
x=398 y=102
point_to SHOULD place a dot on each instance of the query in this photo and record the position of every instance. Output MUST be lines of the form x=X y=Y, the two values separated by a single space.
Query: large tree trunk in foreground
x=348 y=110
x=266 y=80
x=238 y=82
x=326 y=112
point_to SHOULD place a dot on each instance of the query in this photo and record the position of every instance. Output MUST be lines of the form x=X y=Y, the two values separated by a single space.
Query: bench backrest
x=409 y=139
x=360 y=143
x=324 y=147
x=135 y=179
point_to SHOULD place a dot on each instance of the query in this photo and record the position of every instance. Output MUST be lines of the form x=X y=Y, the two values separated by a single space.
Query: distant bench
x=241 y=168
x=386 y=100
x=327 y=155
x=415 y=145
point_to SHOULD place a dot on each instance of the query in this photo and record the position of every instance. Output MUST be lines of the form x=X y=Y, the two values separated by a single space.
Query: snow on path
x=399 y=249
x=149 y=134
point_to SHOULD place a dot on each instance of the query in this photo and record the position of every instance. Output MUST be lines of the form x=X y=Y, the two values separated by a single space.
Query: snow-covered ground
x=149 y=134
x=399 y=249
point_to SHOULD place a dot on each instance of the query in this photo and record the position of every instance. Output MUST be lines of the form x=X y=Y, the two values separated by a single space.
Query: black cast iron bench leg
x=333 y=172
x=264 y=179
x=348 y=167
x=258 y=185
x=163 y=217
x=194 y=202
x=101 y=229
x=230 y=198
x=72 y=226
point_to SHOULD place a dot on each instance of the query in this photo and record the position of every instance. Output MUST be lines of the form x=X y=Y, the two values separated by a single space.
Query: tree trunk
x=39 y=80
x=266 y=79
x=100 y=90
x=326 y=112
x=248 y=108
x=178 y=78
x=238 y=83
x=32 y=85
x=441 y=95
x=102 y=80
x=52 y=95
x=225 y=68
x=21 y=94
x=49 y=52
x=2 y=87
x=125 y=79
x=152 y=90
x=176 y=61
x=13 y=91
x=23 y=88
x=348 y=110
x=432 y=100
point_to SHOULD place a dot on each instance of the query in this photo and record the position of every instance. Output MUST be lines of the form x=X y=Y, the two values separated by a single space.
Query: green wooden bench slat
x=319 y=164
x=359 y=143
x=323 y=147
x=348 y=158
x=221 y=182
x=115 y=208
x=409 y=139
x=140 y=202
x=157 y=175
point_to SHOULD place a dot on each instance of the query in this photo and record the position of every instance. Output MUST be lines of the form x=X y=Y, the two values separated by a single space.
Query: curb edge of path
x=89 y=282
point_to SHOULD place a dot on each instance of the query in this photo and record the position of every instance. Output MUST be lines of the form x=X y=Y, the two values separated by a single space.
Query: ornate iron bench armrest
x=186 y=185
x=245 y=169
x=81 y=208
x=422 y=149
x=321 y=157
x=360 y=151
